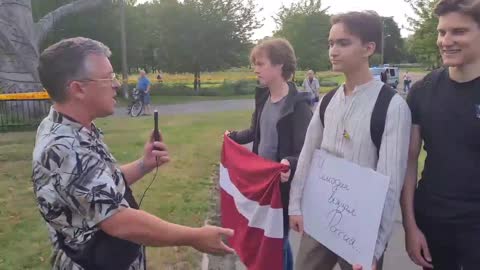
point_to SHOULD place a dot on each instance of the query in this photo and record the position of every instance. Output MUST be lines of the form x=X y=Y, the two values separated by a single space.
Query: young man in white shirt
x=346 y=132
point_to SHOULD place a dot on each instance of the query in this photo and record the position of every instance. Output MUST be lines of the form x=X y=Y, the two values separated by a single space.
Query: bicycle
x=135 y=108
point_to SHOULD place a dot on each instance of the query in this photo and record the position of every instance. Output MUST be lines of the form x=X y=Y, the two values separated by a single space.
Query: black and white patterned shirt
x=77 y=184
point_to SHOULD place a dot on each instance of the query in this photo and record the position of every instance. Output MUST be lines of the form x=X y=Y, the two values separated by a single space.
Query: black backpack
x=379 y=114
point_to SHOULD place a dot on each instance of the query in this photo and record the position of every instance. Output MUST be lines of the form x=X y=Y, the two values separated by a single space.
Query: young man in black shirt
x=441 y=216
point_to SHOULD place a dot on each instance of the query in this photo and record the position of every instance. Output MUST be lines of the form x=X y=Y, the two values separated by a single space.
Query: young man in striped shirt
x=346 y=132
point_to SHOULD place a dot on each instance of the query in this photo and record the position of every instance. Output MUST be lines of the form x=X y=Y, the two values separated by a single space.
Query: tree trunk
x=196 y=82
x=197 y=85
x=20 y=38
x=199 y=81
x=124 y=50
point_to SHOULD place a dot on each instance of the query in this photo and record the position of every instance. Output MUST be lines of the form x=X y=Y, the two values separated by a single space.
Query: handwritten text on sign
x=342 y=207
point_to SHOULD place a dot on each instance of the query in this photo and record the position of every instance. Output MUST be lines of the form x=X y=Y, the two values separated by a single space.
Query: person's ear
x=370 y=49
x=76 y=90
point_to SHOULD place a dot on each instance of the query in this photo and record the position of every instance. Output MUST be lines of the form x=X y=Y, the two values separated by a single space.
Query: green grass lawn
x=180 y=193
x=421 y=162
x=339 y=79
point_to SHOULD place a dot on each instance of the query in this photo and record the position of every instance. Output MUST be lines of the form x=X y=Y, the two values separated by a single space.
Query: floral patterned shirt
x=77 y=184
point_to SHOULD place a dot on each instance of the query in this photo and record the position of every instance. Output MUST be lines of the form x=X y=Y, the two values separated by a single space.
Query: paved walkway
x=197 y=107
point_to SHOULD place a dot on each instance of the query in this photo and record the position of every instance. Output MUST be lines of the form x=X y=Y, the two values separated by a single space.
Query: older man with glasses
x=82 y=193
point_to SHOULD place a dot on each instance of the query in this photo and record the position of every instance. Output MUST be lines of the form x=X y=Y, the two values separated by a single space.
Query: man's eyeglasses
x=113 y=78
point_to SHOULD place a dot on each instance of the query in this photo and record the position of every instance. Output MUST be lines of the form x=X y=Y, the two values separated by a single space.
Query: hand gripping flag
x=251 y=205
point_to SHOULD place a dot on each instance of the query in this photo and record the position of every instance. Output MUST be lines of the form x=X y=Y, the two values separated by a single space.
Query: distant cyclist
x=143 y=86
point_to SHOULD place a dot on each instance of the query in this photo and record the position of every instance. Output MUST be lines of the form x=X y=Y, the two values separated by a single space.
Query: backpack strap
x=324 y=104
x=379 y=115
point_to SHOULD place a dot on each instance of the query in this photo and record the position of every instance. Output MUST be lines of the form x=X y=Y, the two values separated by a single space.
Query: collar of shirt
x=60 y=118
x=358 y=89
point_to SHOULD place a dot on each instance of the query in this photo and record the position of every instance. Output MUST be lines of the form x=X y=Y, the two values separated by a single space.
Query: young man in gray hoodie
x=280 y=119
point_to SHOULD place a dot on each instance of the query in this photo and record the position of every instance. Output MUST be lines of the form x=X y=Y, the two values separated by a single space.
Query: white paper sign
x=342 y=207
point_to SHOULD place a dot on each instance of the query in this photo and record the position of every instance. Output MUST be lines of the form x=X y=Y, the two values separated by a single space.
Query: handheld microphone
x=158 y=138
x=156 y=133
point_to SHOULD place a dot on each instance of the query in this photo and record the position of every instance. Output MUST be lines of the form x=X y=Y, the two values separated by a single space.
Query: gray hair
x=65 y=61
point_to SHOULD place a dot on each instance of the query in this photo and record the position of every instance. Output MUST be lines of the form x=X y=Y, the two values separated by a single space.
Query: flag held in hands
x=251 y=205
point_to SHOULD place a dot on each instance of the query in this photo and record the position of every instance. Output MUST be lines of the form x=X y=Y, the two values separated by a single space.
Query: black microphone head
x=155 y=119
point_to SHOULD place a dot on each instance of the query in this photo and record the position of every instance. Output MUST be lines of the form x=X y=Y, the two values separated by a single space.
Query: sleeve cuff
x=294 y=210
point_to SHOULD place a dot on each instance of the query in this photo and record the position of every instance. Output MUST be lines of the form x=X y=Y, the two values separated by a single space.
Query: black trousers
x=452 y=246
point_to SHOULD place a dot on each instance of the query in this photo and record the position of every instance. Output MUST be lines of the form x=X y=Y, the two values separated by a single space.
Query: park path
x=197 y=107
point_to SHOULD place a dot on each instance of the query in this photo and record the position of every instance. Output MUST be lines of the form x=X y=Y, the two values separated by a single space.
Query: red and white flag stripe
x=251 y=205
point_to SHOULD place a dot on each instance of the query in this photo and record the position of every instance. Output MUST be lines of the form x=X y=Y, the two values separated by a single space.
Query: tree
x=123 y=32
x=139 y=27
x=175 y=36
x=408 y=55
x=200 y=35
x=424 y=26
x=306 y=25
x=20 y=39
x=393 y=42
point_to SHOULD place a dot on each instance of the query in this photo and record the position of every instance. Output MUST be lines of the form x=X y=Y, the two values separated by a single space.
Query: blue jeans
x=287 y=254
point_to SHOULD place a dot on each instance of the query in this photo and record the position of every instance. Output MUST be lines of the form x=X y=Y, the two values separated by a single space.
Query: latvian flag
x=251 y=205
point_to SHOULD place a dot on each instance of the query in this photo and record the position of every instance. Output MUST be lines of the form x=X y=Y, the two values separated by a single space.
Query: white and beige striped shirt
x=352 y=114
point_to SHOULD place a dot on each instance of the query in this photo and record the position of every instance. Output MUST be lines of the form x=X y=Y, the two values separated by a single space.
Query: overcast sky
x=396 y=8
